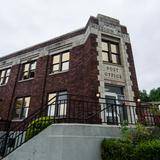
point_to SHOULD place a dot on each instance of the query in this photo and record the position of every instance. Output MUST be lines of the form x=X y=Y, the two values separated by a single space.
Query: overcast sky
x=27 y=22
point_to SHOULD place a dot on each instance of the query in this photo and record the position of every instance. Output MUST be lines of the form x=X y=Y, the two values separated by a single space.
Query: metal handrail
x=79 y=110
x=19 y=126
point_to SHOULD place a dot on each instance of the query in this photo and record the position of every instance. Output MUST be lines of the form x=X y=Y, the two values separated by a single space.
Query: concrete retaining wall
x=66 y=142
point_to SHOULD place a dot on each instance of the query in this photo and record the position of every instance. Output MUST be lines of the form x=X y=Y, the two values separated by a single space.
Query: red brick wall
x=133 y=71
x=81 y=79
x=6 y=93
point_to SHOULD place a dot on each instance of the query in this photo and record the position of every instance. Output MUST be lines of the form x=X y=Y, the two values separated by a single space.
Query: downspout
x=44 y=84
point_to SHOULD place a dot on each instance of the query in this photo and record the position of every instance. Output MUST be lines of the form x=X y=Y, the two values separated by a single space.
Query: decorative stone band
x=112 y=28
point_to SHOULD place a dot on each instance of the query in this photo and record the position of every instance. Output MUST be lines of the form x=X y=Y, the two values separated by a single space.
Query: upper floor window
x=57 y=103
x=29 y=70
x=4 y=76
x=110 y=52
x=60 y=62
x=21 y=108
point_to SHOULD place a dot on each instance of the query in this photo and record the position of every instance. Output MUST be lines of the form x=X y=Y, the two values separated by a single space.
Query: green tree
x=154 y=95
x=144 y=96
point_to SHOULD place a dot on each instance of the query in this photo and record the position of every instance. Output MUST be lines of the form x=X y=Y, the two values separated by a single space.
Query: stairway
x=17 y=135
x=20 y=133
x=78 y=110
x=65 y=142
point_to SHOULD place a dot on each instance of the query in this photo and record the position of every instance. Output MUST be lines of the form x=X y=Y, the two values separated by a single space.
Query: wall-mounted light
x=138 y=100
x=98 y=94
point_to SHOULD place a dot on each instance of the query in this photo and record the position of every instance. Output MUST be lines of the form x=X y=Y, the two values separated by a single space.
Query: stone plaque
x=113 y=73
x=107 y=29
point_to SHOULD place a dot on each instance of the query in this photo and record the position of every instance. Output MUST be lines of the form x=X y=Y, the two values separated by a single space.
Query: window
x=60 y=62
x=114 y=89
x=110 y=52
x=57 y=103
x=21 y=108
x=29 y=70
x=4 y=76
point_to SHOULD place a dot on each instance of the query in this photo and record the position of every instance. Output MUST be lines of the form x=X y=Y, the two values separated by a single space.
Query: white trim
x=17 y=120
x=60 y=72
x=24 y=80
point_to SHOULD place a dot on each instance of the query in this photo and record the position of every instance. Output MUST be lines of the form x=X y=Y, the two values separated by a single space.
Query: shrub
x=140 y=133
x=135 y=135
x=37 y=125
x=126 y=132
x=120 y=150
x=155 y=132
x=137 y=143
x=116 y=150
x=148 y=150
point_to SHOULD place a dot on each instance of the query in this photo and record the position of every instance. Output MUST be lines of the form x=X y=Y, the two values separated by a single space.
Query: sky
x=24 y=23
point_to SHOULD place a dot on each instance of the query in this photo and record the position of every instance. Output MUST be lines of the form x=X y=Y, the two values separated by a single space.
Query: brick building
x=95 y=60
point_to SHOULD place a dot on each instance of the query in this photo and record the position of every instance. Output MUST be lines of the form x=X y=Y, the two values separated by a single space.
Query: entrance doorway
x=114 y=109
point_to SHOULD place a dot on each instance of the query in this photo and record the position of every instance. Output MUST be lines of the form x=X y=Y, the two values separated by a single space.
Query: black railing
x=77 y=109
x=130 y=112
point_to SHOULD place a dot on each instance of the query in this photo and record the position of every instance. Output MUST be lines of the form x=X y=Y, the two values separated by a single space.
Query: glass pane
x=114 y=89
x=25 y=113
x=105 y=56
x=26 y=102
x=62 y=95
x=25 y=75
x=26 y=67
x=65 y=66
x=32 y=74
x=51 y=110
x=6 y=80
x=104 y=46
x=33 y=66
x=55 y=67
x=3 y=73
x=8 y=72
x=51 y=98
x=19 y=103
x=62 y=109
x=113 y=48
x=17 y=113
x=56 y=59
x=65 y=57
x=1 y=81
x=110 y=100
x=114 y=58
x=62 y=103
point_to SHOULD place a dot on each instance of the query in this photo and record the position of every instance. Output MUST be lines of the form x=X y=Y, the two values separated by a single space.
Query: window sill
x=114 y=64
x=59 y=72
x=17 y=120
x=3 y=85
x=24 y=80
